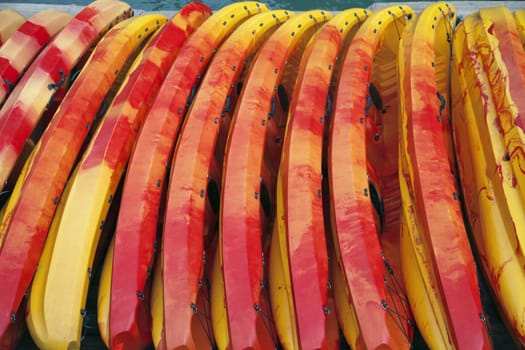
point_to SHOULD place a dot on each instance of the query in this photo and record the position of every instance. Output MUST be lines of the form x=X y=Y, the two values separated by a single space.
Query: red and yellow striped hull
x=47 y=79
x=193 y=195
x=17 y=53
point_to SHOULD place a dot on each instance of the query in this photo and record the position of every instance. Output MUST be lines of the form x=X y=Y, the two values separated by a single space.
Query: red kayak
x=46 y=80
x=193 y=195
x=129 y=316
x=300 y=227
x=364 y=188
x=25 y=224
x=149 y=163
x=250 y=169
x=17 y=53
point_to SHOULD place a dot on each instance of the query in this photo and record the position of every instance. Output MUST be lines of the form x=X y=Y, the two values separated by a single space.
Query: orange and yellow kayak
x=125 y=319
x=17 y=53
x=299 y=281
x=439 y=269
x=488 y=104
x=34 y=99
x=240 y=300
x=150 y=160
x=27 y=219
x=364 y=188
x=192 y=204
x=10 y=21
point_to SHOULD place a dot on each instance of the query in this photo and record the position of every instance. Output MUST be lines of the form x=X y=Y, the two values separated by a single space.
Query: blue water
x=166 y=5
x=297 y=5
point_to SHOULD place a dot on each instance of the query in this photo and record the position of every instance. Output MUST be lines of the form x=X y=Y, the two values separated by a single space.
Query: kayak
x=434 y=244
x=125 y=319
x=241 y=314
x=192 y=200
x=28 y=109
x=10 y=21
x=17 y=53
x=487 y=89
x=298 y=253
x=364 y=188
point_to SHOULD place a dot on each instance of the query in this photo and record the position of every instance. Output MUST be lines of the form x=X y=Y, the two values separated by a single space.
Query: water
x=166 y=5
x=299 y=5
x=295 y=5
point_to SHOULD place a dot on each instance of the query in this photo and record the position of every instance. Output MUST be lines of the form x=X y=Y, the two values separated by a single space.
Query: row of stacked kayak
x=256 y=178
